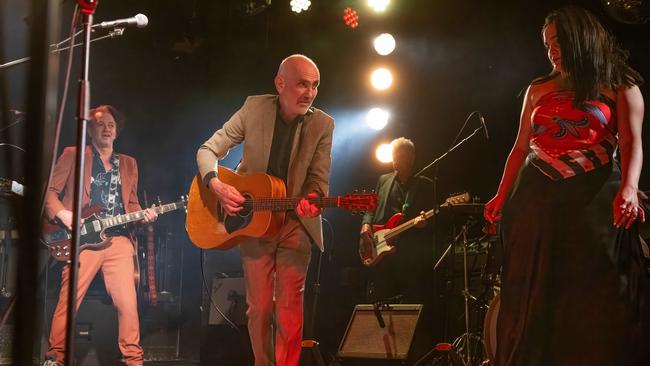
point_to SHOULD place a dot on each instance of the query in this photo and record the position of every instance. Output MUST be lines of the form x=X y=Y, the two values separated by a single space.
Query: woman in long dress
x=573 y=279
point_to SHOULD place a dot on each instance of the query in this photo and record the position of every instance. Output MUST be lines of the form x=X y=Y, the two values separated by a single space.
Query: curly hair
x=119 y=118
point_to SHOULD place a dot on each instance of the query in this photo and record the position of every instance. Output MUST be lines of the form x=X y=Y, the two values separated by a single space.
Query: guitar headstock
x=457 y=199
x=358 y=202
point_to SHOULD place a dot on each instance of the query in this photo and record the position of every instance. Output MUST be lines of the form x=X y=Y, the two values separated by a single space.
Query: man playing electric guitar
x=407 y=271
x=399 y=191
x=111 y=181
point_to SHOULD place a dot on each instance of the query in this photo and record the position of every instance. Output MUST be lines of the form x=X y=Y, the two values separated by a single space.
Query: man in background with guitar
x=110 y=181
x=405 y=273
x=401 y=193
x=285 y=137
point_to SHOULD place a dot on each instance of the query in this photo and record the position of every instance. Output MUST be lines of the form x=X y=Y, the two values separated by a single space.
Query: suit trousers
x=274 y=272
x=117 y=265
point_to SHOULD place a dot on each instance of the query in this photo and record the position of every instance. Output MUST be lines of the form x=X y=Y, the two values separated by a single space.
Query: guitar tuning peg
x=355 y=191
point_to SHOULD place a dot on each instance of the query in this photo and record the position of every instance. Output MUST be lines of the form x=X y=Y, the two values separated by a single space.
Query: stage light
x=350 y=17
x=378 y=5
x=384 y=153
x=384 y=44
x=299 y=5
x=381 y=79
x=377 y=118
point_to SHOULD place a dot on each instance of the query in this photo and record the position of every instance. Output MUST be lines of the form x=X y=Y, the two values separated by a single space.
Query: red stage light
x=350 y=17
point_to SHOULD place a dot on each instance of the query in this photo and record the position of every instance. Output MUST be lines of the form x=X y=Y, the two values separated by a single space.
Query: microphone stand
x=311 y=342
x=435 y=163
x=439 y=158
x=87 y=8
x=376 y=308
x=384 y=304
x=54 y=48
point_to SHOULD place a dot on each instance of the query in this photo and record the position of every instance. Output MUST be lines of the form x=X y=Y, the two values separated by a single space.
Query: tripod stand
x=469 y=344
x=310 y=343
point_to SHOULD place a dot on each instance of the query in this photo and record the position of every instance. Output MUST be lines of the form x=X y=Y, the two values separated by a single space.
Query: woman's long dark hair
x=590 y=55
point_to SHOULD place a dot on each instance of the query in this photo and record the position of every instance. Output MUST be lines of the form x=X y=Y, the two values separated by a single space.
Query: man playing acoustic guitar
x=110 y=181
x=285 y=137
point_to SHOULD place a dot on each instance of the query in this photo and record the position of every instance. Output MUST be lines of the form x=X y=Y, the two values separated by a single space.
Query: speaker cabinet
x=229 y=295
x=365 y=338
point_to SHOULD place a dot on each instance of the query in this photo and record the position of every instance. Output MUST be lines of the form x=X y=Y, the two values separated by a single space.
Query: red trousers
x=274 y=272
x=117 y=265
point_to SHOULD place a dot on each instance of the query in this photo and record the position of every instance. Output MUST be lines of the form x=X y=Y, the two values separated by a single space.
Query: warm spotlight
x=299 y=5
x=377 y=118
x=351 y=17
x=384 y=44
x=381 y=79
x=384 y=153
x=378 y=5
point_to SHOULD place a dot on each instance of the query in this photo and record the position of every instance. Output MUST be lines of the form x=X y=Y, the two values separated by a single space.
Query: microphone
x=485 y=130
x=140 y=21
x=380 y=319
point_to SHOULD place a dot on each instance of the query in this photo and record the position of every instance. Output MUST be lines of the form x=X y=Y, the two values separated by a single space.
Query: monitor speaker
x=366 y=338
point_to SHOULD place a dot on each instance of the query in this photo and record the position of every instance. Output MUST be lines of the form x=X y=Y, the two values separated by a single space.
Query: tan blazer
x=253 y=125
x=60 y=193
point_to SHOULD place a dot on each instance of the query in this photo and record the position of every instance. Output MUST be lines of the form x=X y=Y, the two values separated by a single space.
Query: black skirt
x=572 y=283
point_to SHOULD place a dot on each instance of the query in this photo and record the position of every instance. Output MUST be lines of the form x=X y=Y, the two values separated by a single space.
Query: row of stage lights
x=381 y=78
x=298 y=6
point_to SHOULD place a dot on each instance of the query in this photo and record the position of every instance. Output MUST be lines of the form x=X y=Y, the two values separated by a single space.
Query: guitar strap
x=116 y=180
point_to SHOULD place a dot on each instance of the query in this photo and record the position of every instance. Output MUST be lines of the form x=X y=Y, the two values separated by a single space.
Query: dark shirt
x=100 y=189
x=283 y=135
x=395 y=201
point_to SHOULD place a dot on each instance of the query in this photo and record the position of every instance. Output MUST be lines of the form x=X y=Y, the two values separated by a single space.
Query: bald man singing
x=284 y=136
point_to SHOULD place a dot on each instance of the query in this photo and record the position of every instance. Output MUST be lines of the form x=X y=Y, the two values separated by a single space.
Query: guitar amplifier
x=365 y=338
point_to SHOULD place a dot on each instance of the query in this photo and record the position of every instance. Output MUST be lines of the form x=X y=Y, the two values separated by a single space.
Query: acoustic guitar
x=383 y=236
x=263 y=211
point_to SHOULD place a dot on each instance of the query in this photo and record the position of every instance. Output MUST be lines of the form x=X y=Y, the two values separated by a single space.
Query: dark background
x=181 y=77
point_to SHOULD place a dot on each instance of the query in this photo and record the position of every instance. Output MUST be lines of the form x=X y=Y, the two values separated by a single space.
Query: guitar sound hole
x=240 y=220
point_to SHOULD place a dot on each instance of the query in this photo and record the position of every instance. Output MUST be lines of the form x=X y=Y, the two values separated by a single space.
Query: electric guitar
x=383 y=236
x=263 y=211
x=92 y=233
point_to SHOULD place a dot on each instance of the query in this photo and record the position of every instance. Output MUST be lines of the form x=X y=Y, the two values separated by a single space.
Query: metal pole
x=82 y=118
x=466 y=295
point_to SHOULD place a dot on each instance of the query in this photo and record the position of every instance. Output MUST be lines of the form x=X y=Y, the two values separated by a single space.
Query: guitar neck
x=286 y=204
x=138 y=215
x=461 y=198
x=407 y=225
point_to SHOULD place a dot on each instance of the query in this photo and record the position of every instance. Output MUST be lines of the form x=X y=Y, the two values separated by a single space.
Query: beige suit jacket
x=253 y=125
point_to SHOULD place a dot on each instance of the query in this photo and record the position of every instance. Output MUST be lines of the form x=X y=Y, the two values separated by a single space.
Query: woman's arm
x=514 y=162
x=629 y=108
